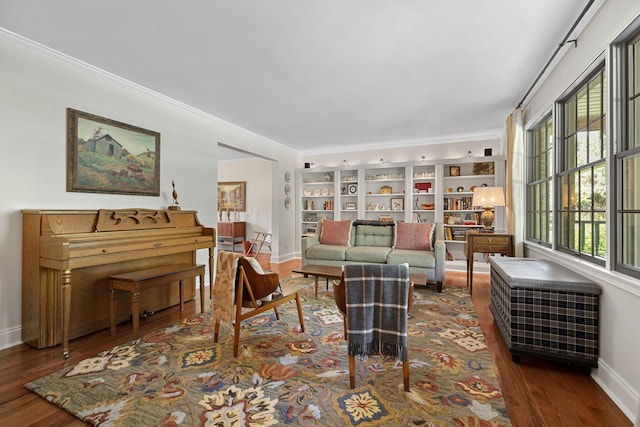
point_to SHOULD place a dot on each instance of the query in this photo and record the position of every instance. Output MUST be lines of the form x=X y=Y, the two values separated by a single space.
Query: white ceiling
x=316 y=75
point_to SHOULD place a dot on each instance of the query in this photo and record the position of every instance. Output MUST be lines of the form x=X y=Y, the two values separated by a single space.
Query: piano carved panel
x=82 y=249
x=133 y=219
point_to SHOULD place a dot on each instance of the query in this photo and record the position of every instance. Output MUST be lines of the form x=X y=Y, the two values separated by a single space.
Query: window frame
x=535 y=181
x=624 y=150
x=565 y=170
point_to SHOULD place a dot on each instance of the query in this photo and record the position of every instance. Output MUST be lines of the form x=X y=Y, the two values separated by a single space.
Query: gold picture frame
x=107 y=156
x=454 y=170
x=484 y=168
x=232 y=196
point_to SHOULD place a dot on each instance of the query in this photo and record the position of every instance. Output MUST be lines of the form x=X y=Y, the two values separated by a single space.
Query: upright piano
x=68 y=256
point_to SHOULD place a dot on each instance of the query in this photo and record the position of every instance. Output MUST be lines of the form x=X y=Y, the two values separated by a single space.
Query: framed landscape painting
x=232 y=196
x=107 y=156
x=483 y=168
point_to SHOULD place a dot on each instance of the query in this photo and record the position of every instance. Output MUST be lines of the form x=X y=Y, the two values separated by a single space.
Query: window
x=582 y=178
x=539 y=189
x=628 y=163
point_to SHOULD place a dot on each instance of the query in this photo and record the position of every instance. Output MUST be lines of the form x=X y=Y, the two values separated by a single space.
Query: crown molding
x=69 y=60
x=490 y=135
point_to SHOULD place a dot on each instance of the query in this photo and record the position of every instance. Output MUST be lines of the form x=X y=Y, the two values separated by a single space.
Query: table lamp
x=488 y=198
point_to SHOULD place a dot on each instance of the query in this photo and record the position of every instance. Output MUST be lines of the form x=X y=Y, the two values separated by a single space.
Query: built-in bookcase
x=426 y=191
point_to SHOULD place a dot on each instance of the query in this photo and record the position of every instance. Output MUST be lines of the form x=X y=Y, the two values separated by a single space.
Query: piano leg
x=112 y=311
x=66 y=311
x=135 y=312
x=201 y=293
x=211 y=270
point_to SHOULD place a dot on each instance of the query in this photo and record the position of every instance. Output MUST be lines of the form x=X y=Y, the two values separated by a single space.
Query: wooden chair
x=261 y=239
x=252 y=291
x=246 y=247
x=364 y=280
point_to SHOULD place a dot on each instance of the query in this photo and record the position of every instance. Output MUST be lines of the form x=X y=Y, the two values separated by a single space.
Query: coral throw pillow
x=410 y=235
x=335 y=232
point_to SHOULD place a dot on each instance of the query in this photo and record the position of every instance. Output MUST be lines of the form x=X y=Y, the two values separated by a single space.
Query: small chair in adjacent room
x=247 y=247
x=241 y=283
x=375 y=300
x=261 y=239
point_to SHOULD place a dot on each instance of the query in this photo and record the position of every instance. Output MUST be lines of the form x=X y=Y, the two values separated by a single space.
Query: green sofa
x=374 y=242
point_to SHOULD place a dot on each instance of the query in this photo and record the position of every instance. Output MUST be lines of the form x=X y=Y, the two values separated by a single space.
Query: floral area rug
x=178 y=376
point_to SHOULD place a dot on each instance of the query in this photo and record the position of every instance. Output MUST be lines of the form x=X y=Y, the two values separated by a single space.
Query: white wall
x=618 y=373
x=257 y=174
x=37 y=86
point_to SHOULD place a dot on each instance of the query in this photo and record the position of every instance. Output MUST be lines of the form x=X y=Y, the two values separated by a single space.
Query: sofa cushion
x=328 y=252
x=414 y=236
x=421 y=259
x=335 y=232
x=374 y=235
x=377 y=254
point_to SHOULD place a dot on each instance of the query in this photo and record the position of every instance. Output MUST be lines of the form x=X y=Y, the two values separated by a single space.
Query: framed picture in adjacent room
x=232 y=196
x=107 y=156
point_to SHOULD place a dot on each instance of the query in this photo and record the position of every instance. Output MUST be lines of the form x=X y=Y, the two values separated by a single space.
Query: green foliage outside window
x=583 y=176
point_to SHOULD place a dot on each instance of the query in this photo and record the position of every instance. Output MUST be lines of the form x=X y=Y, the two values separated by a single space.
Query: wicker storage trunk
x=546 y=310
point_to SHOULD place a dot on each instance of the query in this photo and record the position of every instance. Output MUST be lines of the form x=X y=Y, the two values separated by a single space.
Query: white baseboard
x=10 y=337
x=618 y=390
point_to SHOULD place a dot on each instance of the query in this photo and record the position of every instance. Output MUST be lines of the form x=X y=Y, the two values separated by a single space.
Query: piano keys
x=68 y=256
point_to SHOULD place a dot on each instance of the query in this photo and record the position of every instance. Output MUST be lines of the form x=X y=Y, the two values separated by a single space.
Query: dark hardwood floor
x=538 y=393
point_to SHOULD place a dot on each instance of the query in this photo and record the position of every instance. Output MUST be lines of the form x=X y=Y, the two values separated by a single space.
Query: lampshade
x=487 y=198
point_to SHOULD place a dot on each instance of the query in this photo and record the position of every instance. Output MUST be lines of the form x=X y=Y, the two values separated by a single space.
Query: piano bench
x=136 y=280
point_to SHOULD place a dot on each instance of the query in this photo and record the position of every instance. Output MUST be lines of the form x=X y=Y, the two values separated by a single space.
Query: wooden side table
x=488 y=243
x=231 y=233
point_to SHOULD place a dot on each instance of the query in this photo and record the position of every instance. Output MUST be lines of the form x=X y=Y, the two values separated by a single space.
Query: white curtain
x=515 y=177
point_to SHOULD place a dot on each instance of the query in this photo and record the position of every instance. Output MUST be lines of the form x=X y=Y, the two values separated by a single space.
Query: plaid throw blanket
x=377 y=303
x=223 y=294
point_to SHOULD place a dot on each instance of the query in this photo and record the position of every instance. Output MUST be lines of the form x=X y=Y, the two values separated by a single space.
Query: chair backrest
x=262 y=285
x=340 y=297
x=377 y=303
